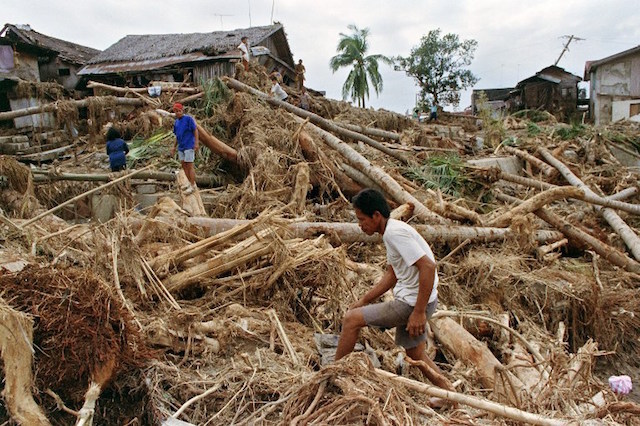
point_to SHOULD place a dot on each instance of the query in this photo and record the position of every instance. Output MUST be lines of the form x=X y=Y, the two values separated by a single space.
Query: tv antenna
x=221 y=15
x=566 y=46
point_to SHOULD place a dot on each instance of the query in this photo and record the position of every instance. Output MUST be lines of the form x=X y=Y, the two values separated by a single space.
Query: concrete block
x=20 y=139
x=147 y=188
x=509 y=164
x=145 y=201
x=624 y=157
x=12 y=148
x=104 y=206
x=6 y=139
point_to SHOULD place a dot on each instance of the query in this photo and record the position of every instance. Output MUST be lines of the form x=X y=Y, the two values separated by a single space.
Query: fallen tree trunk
x=316 y=119
x=536 y=202
x=360 y=178
x=475 y=354
x=10 y=115
x=125 y=90
x=16 y=340
x=216 y=145
x=473 y=401
x=351 y=232
x=370 y=131
x=42 y=176
x=580 y=238
x=536 y=162
x=589 y=194
x=382 y=178
x=313 y=154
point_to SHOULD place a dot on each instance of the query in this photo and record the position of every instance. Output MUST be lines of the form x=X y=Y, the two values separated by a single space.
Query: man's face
x=368 y=224
x=179 y=112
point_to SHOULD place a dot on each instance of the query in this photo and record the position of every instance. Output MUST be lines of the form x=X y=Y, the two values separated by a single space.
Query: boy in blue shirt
x=187 y=142
x=117 y=150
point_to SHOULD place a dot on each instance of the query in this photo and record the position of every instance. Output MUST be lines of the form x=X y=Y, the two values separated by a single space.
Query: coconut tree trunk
x=216 y=145
x=10 y=115
x=370 y=131
x=42 y=176
x=546 y=169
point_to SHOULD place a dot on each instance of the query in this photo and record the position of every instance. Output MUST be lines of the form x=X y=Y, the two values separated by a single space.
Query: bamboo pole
x=382 y=178
x=351 y=232
x=10 y=115
x=124 y=90
x=316 y=119
x=43 y=176
x=84 y=194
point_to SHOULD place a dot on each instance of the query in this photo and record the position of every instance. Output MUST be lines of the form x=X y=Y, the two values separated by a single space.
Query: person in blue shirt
x=187 y=142
x=117 y=150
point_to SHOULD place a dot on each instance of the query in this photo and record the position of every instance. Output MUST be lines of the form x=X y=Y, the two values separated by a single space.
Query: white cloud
x=515 y=39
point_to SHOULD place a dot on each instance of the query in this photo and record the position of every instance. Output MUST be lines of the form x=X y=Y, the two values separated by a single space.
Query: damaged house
x=27 y=55
x=551 y=89
x=497 y=100
x=614 y=86
x=137 y=60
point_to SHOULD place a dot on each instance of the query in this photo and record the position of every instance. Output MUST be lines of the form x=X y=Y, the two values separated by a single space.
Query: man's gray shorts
x=396 y=314
x=188 y=155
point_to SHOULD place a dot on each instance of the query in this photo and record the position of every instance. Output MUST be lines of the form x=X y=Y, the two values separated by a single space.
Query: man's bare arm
x=387 y=282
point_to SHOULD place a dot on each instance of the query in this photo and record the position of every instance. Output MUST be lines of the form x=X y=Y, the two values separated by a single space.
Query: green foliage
x=570 y=132
x=438 y=66
x=157 y=146
x=351 y=53
x=215 y=93
x=440 y=172
x=533 y=129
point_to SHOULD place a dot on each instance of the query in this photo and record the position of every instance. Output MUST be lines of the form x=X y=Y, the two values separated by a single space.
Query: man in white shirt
x=411 y=273
x=277 y=91
x=244 y=48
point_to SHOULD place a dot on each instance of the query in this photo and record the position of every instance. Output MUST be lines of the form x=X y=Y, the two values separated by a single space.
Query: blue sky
x=515 y=39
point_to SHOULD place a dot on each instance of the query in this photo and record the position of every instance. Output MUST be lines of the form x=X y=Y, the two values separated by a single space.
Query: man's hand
x=196 y=146
x=360 y=303
x=417 y=323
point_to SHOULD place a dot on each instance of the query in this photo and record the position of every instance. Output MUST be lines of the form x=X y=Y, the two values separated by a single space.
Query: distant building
x=552 y=89
x=614 y=86
x=496 y=99
x=31 y=56
x=138 y=59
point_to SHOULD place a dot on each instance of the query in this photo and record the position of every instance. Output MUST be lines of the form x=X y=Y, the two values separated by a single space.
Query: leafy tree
x=351 y=53
x=437 y=65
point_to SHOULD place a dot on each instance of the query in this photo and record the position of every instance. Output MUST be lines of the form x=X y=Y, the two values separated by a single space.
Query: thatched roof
x=155 y=46
x=25 y=36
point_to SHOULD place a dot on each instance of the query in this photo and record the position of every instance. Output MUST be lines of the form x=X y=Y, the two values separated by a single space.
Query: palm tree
x=351 y=52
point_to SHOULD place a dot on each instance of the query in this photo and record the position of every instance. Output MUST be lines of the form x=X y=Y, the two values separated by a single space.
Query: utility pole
x=221 y=15
x=566 y=46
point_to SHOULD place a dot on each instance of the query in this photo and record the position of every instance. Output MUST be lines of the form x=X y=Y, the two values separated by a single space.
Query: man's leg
x=190 y=171
x=431 y=370
x=352 y=322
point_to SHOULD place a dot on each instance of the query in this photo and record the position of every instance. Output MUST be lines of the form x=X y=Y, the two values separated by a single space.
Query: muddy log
x=350 y=232
x=580 y=238
x=216 y=145
x=382 y=178
x=315 y=119
x=42 y=176
x=10 y=115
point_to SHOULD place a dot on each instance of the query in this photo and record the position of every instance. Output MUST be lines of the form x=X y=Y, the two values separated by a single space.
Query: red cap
x=178 y=105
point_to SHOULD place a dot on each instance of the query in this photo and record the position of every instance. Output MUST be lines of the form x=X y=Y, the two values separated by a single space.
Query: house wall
x=621 y=110
x=212 y=70
x=618 y=80
x=50 y=71
x=26 y=66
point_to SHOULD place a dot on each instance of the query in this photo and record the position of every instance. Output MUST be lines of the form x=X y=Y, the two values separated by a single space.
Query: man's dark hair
x=244 y=38
x=112 y=134
x=369 y=201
